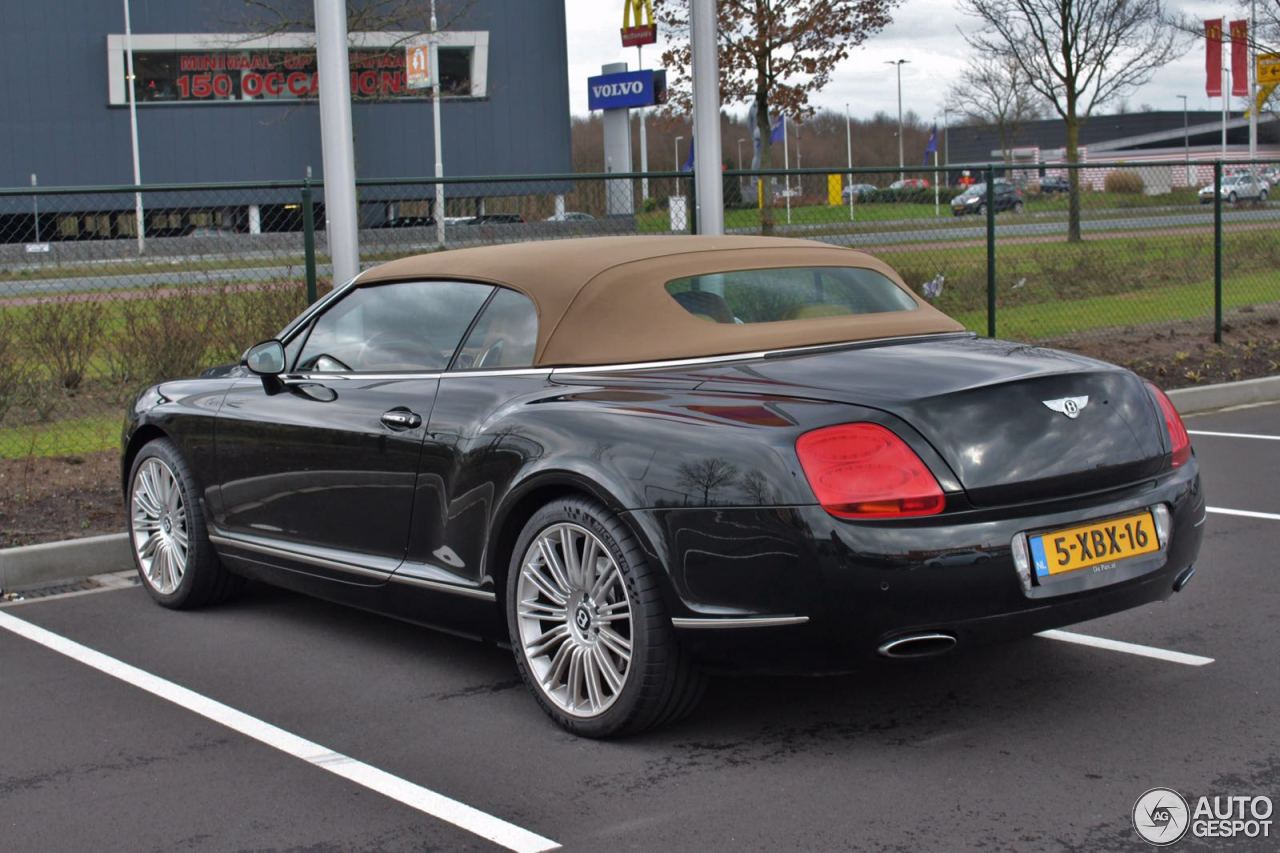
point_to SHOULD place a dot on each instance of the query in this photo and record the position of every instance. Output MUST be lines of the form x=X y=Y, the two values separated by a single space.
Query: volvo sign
x=627 y=89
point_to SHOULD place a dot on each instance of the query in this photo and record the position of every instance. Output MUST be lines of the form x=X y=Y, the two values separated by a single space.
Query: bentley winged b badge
x=1069 y=406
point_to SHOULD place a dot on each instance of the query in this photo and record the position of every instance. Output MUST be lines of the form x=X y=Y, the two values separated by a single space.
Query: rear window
x=789 y=293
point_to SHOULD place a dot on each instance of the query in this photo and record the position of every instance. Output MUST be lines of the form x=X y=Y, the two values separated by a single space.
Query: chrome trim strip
x=737 y=621
x=741 y=356
x=890 y=648
x=455 y=589
x=300 y=557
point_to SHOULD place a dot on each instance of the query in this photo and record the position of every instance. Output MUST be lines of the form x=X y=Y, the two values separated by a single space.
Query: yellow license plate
x=1089 y=545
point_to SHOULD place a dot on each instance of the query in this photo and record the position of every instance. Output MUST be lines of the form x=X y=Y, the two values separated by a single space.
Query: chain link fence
x=90 y=310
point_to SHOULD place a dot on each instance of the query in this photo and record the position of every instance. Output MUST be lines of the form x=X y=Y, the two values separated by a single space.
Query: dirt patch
x=43 y=499
x=1183 y=355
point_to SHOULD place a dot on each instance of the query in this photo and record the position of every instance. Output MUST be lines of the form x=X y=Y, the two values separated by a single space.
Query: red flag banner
x=1213 y=58
x=1240 y=58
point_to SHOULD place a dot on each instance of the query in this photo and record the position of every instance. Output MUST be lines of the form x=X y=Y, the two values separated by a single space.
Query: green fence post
x=1217 y=252
x=309 y=239
x=991 y=251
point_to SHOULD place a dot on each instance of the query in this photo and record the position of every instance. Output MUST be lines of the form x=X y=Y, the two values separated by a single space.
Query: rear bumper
x=860 y=585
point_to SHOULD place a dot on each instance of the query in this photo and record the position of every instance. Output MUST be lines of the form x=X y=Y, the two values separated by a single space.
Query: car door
x=317 y=467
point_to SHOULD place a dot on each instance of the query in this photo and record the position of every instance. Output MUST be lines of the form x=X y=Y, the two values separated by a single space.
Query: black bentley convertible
x=635 y=459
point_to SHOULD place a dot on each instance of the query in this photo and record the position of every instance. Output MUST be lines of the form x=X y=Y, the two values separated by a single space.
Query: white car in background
x=1237 y=188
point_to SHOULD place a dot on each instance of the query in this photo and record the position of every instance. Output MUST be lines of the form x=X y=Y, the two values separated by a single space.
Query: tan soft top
x=603 y=300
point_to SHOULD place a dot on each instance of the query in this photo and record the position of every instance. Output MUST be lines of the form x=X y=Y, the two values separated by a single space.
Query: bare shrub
x=246 y=315
x=13 y=367
x=163 y=337
x=1124 y=183
x=63 y=334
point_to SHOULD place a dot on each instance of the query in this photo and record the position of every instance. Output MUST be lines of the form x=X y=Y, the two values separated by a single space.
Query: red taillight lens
x=1179 y=441
x=865 y=471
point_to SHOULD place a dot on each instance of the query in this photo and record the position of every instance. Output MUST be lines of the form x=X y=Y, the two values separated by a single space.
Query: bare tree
x=706 y=475
x=994 y=91
x=1076 y=54
x=773 y=53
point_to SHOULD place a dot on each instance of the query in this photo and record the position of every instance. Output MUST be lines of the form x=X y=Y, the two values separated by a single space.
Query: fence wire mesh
x=89 y=312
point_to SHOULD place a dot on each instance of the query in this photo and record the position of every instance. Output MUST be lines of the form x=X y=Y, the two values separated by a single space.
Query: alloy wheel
x=159 y=526
x=574 y=620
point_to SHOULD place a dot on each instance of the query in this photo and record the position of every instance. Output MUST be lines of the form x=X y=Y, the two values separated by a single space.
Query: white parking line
x=414 y=796
x=1234 y=434
x=1246 y=513
x=1127 y=648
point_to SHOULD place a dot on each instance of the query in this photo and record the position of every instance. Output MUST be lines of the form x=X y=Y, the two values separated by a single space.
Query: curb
x=1190 y=401
x=70 y=559
x=73 y=559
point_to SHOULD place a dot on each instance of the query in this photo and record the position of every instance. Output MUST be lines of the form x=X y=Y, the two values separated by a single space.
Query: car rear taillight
x=865 y=471
x=1179 y=441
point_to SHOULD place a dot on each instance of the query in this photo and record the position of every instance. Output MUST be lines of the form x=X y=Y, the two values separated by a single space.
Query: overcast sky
x=926 y=32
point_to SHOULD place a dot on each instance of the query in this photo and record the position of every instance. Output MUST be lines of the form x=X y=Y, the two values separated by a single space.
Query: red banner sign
x=637 y=36
x=1213 y=58
x=1240 y=58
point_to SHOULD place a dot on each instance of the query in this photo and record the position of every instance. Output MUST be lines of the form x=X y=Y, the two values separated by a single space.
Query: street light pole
x=644 y=142
x=901 y=162
x=133 y=130
x=434 y=61
x=706 y=116
x=848 y=150
x=336 y=139
x=1186 y=139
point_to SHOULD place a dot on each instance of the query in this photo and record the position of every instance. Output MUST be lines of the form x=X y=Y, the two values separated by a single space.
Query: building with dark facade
x=219 y=101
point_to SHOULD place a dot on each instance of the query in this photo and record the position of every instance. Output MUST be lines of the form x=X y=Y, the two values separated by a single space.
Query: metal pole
x=309 y=238
x=991 y=251
x=1217 y=252
x=786 y=165
x=35 y=206
x=676 y=168
x=706 y=117
x=1186 y=139
x=1253 y=82
x=848 y=152
x=644 y=142
x=946 y=143
x=434 y=49
x=336 y=140
x=1226 y=93
x=133 y=130
x=901 y=162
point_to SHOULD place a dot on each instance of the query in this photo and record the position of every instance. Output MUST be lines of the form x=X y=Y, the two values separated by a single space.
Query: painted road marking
x=1246 y=513
x=414 y=796
x=1127 y=648
x=1234 y=434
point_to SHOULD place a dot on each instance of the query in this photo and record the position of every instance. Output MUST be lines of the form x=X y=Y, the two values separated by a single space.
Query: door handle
x=401 y=419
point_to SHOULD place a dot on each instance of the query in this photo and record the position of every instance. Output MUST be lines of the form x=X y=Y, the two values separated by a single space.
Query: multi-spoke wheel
x=590 y=633
x=170 y=547
x=160 y=539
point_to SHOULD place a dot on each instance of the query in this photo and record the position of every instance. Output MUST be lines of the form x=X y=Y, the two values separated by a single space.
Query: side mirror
x=265 y=359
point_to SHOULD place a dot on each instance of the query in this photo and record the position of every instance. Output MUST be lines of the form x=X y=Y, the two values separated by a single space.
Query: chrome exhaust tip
x=918 y=645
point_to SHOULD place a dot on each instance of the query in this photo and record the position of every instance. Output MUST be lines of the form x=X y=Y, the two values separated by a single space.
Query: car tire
x=595 y=646
x=1232 y=198
x=982 y=210
x=169 y=541
x=1262 y=196
x=1018 y=207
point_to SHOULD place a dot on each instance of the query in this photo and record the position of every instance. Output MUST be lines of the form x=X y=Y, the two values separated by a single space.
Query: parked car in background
x=494 y=219
x=974 y=199
x=1051 y=184
x=1237 y=188
x=858 y=191
x=631 y=457
x=571 y=216
x=910 y=184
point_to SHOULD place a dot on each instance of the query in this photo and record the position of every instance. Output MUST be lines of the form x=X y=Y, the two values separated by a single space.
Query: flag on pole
x=688 y=163
x=931 y=147
x=1239 y=58
x=1213 y=58
x=777 y=129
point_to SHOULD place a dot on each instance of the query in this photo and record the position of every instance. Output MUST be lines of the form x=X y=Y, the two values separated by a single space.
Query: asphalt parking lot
x=346 y=728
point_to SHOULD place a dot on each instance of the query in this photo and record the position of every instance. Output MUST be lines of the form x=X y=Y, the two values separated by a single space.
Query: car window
x=506 y=334
x=393 y=327
x=790 y=293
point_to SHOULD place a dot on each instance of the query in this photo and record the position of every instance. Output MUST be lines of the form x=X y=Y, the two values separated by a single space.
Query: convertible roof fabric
x=603 y=300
